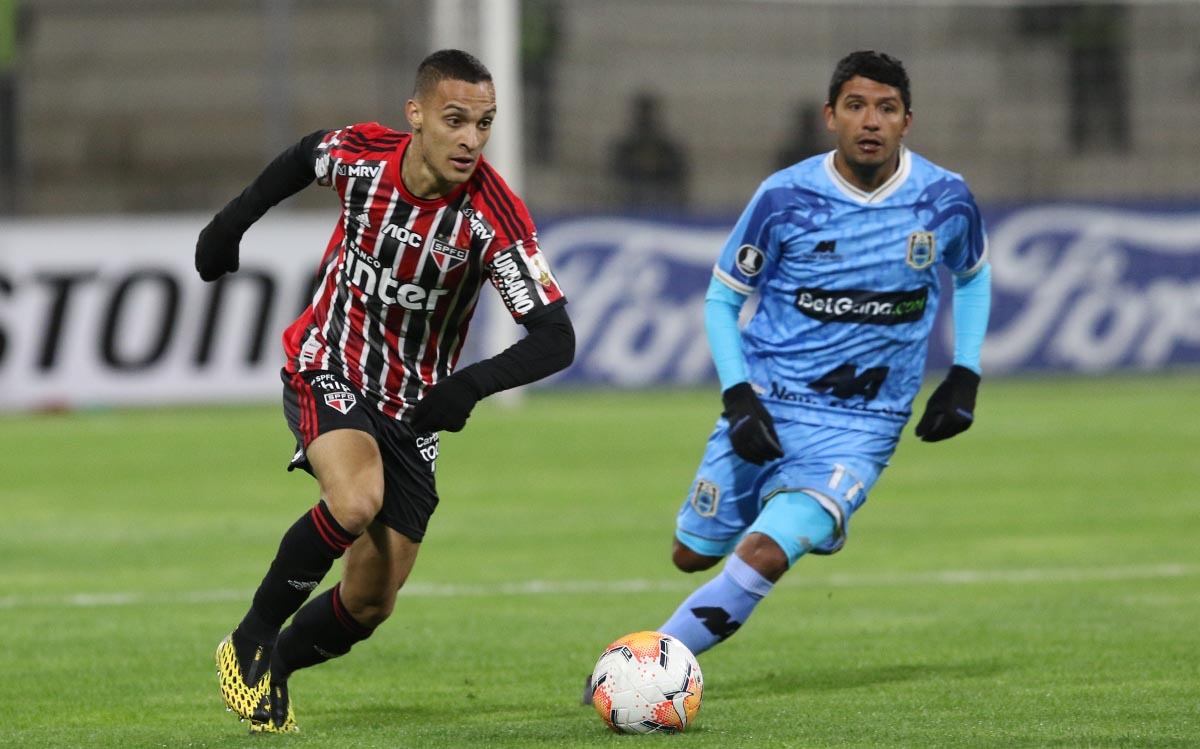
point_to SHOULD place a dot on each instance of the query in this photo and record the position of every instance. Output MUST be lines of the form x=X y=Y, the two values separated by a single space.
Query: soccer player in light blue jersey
x=841 y=251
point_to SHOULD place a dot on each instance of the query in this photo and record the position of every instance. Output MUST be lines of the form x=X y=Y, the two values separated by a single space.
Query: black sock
x=306 y=553
x=321 y=630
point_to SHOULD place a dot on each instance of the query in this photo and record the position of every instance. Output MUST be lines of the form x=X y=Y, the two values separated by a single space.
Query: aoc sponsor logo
x=404 y=235
x=861 y=306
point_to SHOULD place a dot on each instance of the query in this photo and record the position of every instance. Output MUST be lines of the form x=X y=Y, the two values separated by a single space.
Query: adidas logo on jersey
x=363 y=218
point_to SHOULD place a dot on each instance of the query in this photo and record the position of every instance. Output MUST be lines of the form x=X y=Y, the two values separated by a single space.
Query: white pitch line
x=681 y=584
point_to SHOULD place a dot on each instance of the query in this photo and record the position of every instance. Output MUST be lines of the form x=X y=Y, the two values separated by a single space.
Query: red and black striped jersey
x=401 y=275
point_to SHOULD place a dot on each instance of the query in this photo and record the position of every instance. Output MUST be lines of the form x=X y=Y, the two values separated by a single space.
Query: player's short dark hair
x=452 y=65
x=877 y=66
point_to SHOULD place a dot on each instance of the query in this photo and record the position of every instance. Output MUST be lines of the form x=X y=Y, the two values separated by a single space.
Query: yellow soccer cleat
x=274 y=712
x=242 y=686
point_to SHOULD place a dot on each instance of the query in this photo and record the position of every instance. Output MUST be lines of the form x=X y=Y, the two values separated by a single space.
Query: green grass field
x=1033 y=583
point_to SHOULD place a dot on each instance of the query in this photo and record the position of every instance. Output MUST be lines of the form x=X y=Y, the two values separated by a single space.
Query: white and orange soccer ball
x=647 y=682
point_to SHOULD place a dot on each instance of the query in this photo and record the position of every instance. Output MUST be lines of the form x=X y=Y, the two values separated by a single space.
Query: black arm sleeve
x=548 y=347
x=288 y=174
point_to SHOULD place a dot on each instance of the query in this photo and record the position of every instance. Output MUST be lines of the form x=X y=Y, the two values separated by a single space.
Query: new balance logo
x=827 y=245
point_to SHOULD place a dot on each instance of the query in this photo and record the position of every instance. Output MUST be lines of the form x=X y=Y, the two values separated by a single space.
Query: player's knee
x=764 y=555
x=687 y=560
x=791 y=525
x=355 y=504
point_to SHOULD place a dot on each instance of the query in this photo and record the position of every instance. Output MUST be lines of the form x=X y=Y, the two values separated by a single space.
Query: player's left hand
x=446 y=406
x=951 y=408
x=217 y=250
x=751 y=428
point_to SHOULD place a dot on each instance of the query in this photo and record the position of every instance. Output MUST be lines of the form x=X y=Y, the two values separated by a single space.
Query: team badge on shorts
x=921 y=250
x=706 y=498
x=341 y=401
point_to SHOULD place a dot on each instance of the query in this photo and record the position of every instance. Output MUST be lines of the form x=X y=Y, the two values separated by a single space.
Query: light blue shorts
x=836 y=467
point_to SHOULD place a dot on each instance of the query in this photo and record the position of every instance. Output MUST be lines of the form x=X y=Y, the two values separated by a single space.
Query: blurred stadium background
x=128 y=122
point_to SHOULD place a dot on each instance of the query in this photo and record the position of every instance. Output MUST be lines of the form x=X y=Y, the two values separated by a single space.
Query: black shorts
x=321 y=401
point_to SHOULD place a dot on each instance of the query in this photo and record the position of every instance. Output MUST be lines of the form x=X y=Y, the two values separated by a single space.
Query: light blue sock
x=715 y=610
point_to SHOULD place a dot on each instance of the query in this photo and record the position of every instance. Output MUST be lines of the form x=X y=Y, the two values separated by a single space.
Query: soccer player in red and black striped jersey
x=370 y=377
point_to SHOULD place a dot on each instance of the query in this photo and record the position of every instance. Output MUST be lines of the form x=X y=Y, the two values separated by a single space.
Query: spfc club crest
x=448 y=256
x=340 y=400
x=921 y=250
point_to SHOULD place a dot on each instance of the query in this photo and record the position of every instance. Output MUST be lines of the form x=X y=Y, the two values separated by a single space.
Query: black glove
x=951 y=408
x=446 y=406
x=751 y=428
x=217 y=250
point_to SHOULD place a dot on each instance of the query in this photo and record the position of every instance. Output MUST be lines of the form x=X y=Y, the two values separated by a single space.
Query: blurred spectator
x=1097 y=61
x=650 y=167
x=804 y=136
x=1095 y=41
x=12 y=28
x=541 y=28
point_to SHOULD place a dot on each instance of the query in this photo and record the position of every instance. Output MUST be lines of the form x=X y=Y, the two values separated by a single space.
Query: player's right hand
x=751 y=428
x=446 y=406
x=217 y=250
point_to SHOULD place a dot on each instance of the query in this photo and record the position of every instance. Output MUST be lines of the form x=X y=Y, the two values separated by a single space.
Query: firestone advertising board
x=111 y=312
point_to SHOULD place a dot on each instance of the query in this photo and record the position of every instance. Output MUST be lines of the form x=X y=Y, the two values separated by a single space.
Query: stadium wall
x=111 y=312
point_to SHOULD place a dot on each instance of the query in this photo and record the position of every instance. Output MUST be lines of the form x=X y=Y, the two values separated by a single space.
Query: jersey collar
x=880 y=194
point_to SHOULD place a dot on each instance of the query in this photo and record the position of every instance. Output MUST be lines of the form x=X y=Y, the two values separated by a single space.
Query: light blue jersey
x=848 y=287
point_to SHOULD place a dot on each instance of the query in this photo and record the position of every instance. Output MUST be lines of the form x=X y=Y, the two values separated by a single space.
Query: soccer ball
x=647 y=682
